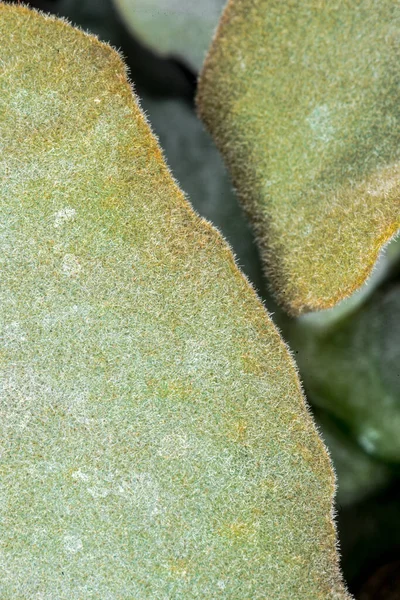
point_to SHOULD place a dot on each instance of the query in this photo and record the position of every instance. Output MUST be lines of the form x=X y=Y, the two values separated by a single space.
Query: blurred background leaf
x=358 y=474
x=352 y=369
x=182 y=27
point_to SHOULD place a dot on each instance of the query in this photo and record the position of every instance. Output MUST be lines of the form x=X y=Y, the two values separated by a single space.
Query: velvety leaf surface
x=303 y=102
x=181 y=27
x=154 y=439
x=387 y=267
x=352 y=368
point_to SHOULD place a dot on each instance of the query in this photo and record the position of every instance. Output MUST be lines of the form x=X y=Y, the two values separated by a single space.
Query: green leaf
x=351 y=368
x=181 y=27
x=385 y=269
x=304 y=106
x=154 y=439
x=358 y=475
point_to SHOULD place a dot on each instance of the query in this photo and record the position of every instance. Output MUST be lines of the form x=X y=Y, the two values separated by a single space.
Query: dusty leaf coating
x=302 y=99
x=154 y=440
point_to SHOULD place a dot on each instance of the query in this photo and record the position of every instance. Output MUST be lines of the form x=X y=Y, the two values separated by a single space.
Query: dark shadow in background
x=369 y=534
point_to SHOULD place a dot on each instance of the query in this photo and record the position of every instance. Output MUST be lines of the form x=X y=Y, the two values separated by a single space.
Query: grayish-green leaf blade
x=386 y=268
x=182 y=27
x=154 y=439
x=351 y=367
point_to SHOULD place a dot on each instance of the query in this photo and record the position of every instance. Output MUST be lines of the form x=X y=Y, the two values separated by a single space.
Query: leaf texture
x=154 y=439
x=304 y=105
x=197 y=165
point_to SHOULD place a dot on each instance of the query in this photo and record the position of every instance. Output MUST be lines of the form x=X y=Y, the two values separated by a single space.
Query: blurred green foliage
x=352 y=369
x=181 y=27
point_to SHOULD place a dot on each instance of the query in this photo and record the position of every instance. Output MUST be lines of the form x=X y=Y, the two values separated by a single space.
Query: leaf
x=189 y=150
x=304 y=106
x=358 y=475
x=160 y=76
x=351 y=368
x=385 y=269
x=154 y=439
x=181 y=27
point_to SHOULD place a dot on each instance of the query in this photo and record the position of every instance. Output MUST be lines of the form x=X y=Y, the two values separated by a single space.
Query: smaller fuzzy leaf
x=181 y=27
x=304 y=106
x=386 y=268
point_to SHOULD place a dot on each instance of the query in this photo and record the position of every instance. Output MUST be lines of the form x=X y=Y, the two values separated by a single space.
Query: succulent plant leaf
x=154 y=440
x=304 y=105
x=181 y=27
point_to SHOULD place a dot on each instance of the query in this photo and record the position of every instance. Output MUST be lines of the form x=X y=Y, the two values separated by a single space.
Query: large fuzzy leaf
x=154 y=439
x=181 y=27
x=304 y=105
